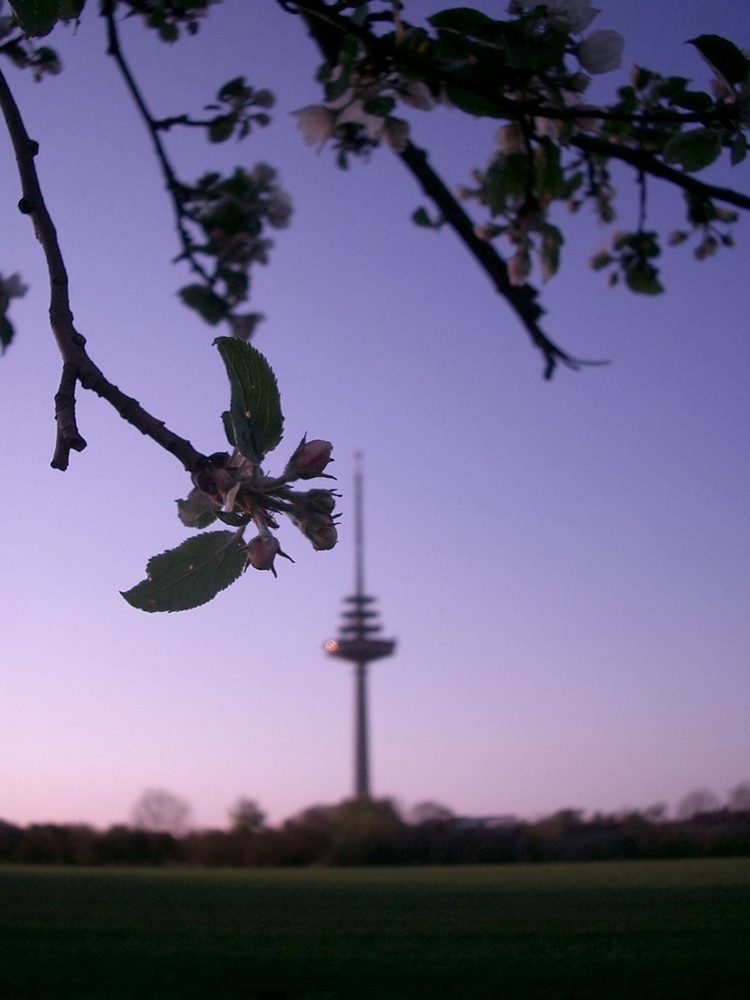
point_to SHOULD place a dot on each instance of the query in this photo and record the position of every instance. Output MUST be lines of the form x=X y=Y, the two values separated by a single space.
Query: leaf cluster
x=225 y=222
x=233 y=489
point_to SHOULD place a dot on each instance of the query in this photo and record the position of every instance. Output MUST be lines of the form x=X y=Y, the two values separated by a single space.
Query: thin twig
x=154 y=127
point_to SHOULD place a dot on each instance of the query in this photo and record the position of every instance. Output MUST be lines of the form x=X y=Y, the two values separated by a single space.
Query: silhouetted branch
x=153 y=127
x=646 y=163
x=77 y=365
x=522 y=299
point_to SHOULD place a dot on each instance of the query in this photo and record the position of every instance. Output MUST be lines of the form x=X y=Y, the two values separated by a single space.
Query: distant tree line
x=373 y=832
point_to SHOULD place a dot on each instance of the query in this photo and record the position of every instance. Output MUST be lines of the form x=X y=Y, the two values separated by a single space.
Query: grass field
x=672 y=930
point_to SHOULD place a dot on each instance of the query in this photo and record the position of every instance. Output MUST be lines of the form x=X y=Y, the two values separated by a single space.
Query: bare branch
x=77 y=365
x=154 y=127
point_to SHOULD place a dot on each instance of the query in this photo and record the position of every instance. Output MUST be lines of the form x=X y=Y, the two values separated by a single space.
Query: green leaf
x=550 y=181
x=420 y=217
x=211 y=306
x=190 y=575
x=724 y=56
x=221 y=128
x=694 y=149
x=232 y=88
x=644 y=278
x=739 y=149
x=380 y=106
x=255 y=405
x=36 y=17
x=549 y=251
x=472 y=104
x=226 y=419
x=693 y=100
x=70 y=10
x=6 y=333
x=466 y=20
x=198 y=510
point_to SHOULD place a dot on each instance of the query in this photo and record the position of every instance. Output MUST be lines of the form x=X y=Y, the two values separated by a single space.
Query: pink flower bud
x=309 y=460
x=262 y=551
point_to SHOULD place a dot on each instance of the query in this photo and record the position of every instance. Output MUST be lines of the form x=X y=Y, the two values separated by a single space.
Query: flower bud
x=323 y=535
x=309 y=460
x=318 y=528
x=262 y=551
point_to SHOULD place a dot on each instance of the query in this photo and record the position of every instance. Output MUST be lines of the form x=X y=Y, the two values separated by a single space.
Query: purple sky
x=564 y=564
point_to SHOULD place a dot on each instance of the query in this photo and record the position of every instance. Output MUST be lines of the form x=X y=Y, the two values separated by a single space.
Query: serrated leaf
x=380 y=106
x=36 y=17
x=466 y=20
x=643 y=278
x=420 y=217
x=724 y=56
x=6 y=333
x=255 y=405
x=198 y=510
x=694 y=149
x=232 y=88
x=549 y=251
x=221 y=128
x=70 y=10
x=739 y=149
x=190 y=575
x=472 y=104
x=693 y=100
x=211 y=306
x=226 y=419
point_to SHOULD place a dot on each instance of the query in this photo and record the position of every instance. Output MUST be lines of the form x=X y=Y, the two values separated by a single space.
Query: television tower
x=358 y=643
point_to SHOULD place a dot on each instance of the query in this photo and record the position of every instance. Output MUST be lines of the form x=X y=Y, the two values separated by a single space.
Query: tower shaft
x=359 y=643
x=361 y=744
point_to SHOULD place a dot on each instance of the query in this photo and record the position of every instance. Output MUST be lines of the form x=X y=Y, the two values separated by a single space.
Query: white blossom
x=601 y=51
x=316 y=122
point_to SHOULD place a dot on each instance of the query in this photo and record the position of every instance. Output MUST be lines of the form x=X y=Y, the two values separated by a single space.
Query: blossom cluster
x=235 y=491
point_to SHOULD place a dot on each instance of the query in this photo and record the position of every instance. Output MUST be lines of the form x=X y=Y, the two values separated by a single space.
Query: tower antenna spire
x=359 y=566
x=358 y=643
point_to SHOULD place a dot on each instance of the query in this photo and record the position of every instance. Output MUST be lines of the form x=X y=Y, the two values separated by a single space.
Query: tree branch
x=522 y=299
x=77 y=365
x=154 y=126
x=333 y=26
x=649 y=164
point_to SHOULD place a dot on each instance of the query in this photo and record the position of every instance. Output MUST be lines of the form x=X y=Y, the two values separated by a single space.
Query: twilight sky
x=564 y=565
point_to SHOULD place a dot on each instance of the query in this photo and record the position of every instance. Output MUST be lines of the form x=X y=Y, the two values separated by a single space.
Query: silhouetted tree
x=158 y=811
x=701 y=800
x=739 y=798
x=430 y=812
x=246 y=816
